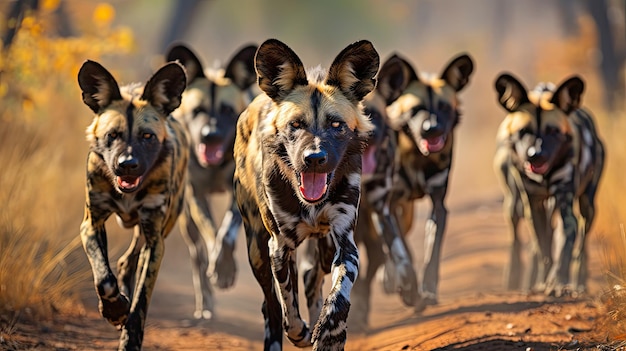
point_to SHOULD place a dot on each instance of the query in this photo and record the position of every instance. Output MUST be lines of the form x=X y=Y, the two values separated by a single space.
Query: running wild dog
x=424 y=116
x=298 y=176
x=549 y=161
x=377 y=229
x=136 y=169
x=211 y=104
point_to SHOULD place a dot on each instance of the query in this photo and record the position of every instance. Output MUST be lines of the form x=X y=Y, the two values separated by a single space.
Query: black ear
x=354 y=69
x=187 y=58
x=241 y=67
x=165 y=88
x=511 y=93
x=98 y=86
x=394 y=76
x=279 y=69
x=458 y=71
x=568 y=95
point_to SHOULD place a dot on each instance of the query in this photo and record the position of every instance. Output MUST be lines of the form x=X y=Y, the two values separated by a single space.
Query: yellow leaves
x=103 y=15
x=50 y=5
x=42 y=65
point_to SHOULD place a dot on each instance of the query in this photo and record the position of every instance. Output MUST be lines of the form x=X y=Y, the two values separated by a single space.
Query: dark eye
x=295 y=124
x=525 y=130
x=336 y=124
x=112 y=136
x=148 y=136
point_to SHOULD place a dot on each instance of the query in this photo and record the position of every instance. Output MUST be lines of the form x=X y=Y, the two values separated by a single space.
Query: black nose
x=128 y=163
x=535 y=154
x=315 y=158
x=431 y=127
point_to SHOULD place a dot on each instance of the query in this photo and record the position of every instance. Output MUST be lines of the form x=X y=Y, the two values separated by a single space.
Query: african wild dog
x=549 y=160
x=424 y=117
x=136 y=169
x=298 y=175
x=377 y=229
x=209 y=110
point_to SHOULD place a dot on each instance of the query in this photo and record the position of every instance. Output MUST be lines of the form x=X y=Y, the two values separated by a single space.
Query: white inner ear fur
x=103 y=95
x=347 y=77
x=565 y=99
x=507 y=97
x=284 y=79
x=157 y=95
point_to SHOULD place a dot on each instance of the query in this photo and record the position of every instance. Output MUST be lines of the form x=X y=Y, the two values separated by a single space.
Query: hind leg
x=192 y=223
x=223 y=267
x=579 y=259
x=127 y=263
x=361 y=292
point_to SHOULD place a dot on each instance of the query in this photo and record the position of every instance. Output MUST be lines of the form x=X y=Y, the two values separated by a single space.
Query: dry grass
x=41 y=181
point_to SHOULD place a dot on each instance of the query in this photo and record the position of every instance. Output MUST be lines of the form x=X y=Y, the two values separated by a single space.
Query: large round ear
x=188 y=59
x=279 y=69
x=240 y=69
x=394 y=76
x=511 y=93
x=165 y=88
x=458 y=71
x=98 y=86
x=354 y=69
x=568 y=94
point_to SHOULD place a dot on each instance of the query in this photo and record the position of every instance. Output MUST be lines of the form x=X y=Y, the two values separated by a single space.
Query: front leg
x=435 y=229
x=282 y=257
x=558 y=279
x=151 y=224
x=223 y=267
x=113 y=305
x=331 y=329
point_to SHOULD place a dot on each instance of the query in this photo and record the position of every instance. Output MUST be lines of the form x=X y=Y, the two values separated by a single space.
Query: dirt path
x=474 y=312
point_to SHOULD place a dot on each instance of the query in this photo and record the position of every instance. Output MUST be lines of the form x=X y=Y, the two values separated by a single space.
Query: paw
x=303 y=339
x=116 y=310
x=558 y=290
x=330 y=330
x=203 y=314
x=408 y=289
x=425 y=300
x=224 y=270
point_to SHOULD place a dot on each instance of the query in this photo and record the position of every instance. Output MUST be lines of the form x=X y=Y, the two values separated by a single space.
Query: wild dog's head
x=130 y=128
x=213 y=101
x=537 y=127
x=316 y=129
x=426 y=108
x=375 y=106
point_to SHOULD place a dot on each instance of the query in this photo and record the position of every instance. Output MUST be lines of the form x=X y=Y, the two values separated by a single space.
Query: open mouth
x=313 y=186
x=369 y=160
x=434 y=144
x=210 y=154
x=128 y=184
x=540 y=168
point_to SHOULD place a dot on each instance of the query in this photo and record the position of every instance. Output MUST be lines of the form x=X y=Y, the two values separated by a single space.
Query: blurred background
x=42 y=118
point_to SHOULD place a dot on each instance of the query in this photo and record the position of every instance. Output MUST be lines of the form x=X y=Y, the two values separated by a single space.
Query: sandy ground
x=474 y=313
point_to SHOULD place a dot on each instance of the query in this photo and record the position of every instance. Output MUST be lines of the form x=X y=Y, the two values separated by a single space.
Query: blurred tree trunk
x=181 y=19
x=610 y=61
x=14 y=19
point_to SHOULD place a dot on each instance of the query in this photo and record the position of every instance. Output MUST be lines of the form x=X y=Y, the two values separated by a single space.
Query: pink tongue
x=313 y=185
x=539 y=169
x=127 y=182
x=369 y=161
x=210 y=154
x=433 y=144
